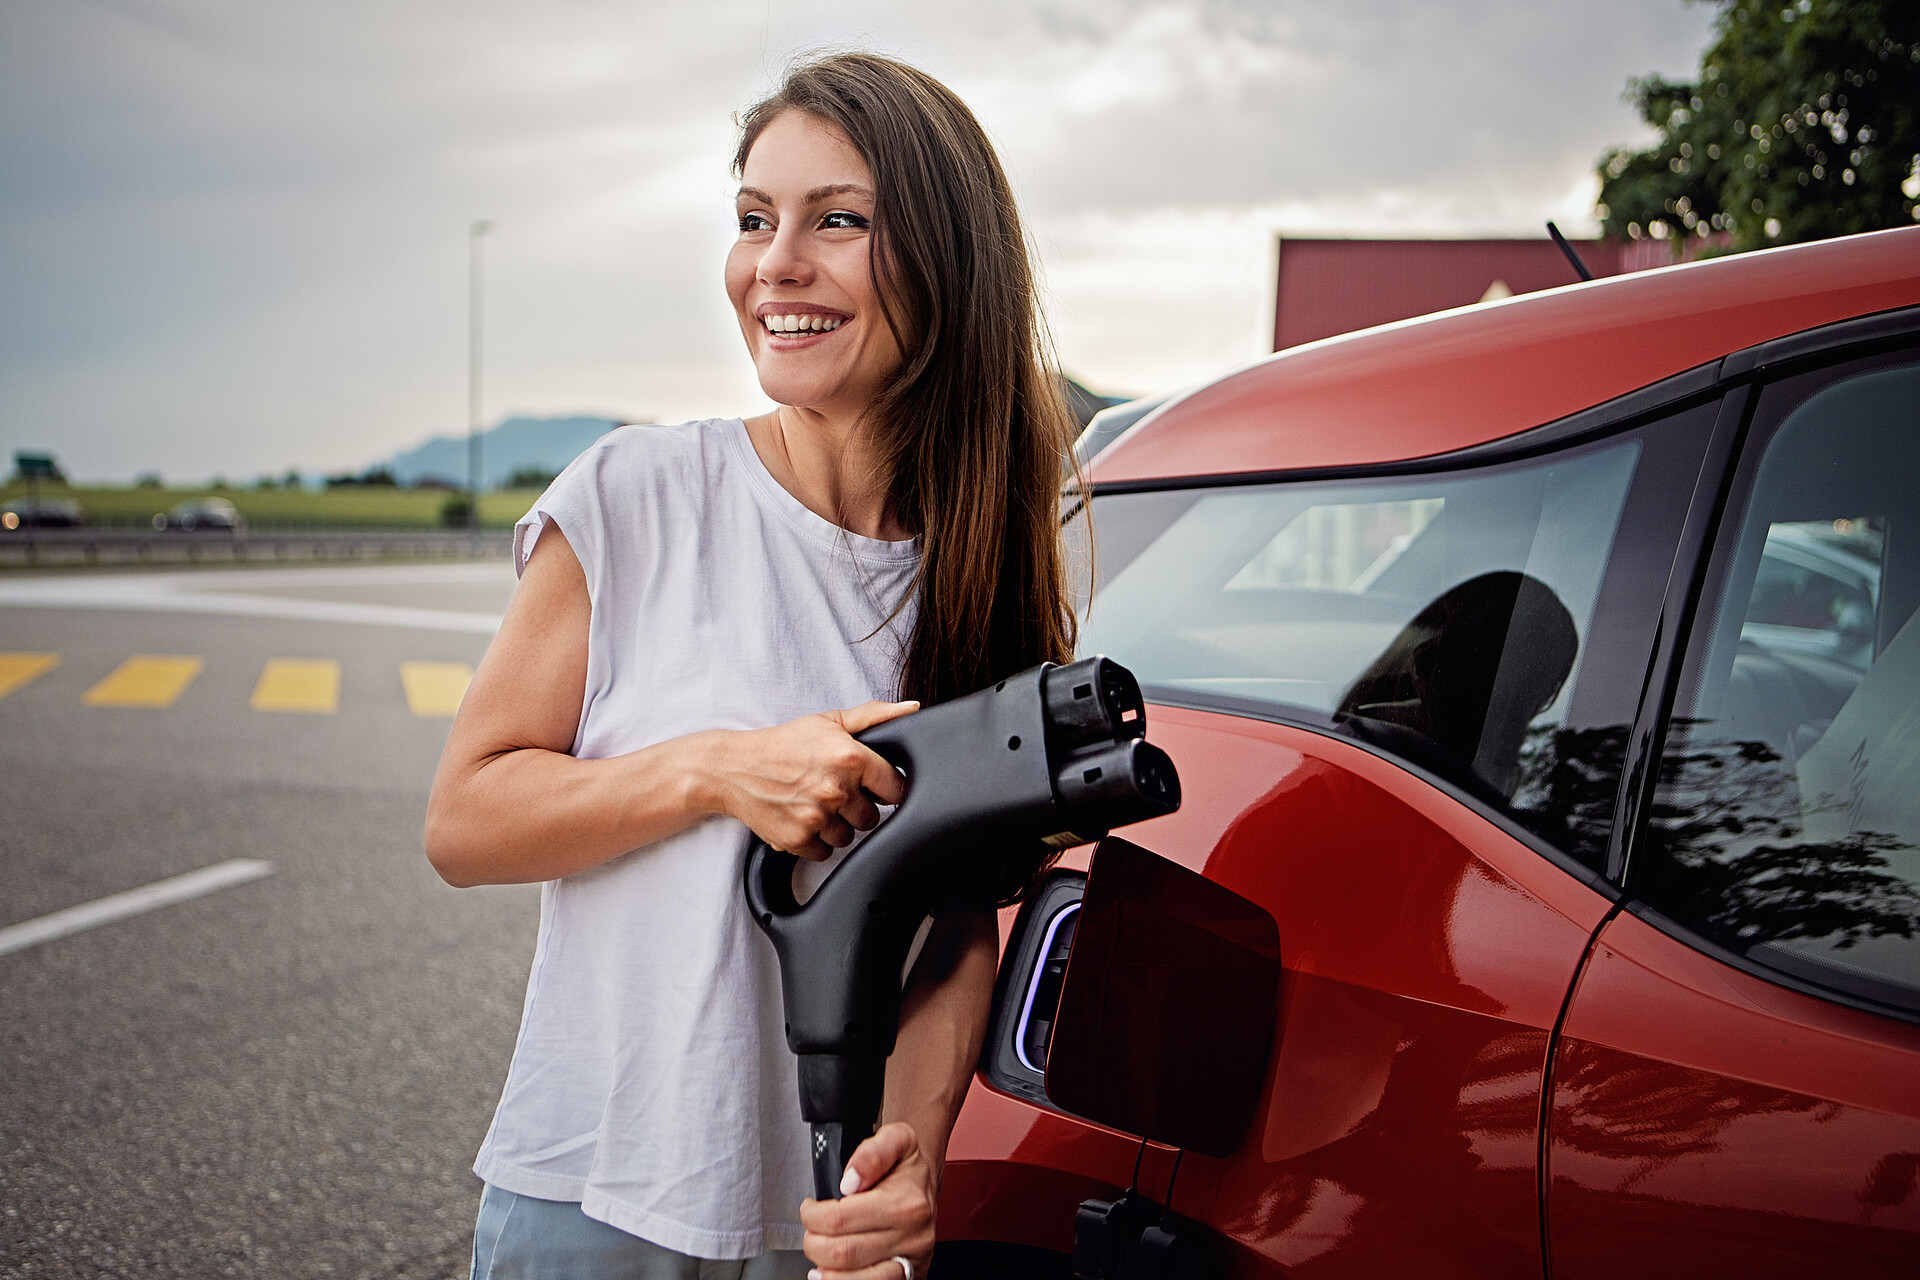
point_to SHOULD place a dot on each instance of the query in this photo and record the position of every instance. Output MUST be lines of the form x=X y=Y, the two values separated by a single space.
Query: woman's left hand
x=887 y=1211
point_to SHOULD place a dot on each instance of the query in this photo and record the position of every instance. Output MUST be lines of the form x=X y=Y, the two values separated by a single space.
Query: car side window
x=1490 y=626
x=1786 y=824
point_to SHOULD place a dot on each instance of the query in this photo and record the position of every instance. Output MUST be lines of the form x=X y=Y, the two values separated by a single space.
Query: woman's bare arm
x=511 y=806
x=943 y=1022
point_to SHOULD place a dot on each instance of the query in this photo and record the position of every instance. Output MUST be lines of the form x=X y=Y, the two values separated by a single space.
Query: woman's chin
x=802 y=393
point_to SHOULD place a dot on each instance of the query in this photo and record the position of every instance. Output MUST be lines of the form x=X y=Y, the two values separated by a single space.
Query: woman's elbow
x=449 y=849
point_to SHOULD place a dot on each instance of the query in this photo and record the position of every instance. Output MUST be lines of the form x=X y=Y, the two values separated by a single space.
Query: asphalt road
x=288 y=1077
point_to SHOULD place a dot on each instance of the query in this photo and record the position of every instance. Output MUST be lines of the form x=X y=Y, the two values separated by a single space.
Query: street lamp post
x=475 y=235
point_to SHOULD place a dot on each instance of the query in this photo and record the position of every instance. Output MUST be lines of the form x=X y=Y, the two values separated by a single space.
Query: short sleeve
x=571 y=502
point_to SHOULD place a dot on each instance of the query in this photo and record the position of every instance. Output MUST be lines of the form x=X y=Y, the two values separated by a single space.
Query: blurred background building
x=1328 y=285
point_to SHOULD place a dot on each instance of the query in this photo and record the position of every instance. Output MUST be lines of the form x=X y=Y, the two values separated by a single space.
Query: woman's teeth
x=801 y=324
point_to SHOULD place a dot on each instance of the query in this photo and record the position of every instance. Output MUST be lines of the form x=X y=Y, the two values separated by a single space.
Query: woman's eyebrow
x=814 y=196
x=836 y=189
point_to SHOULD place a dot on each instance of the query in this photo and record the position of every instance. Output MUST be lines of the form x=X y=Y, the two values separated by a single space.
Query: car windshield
x=1441 y=618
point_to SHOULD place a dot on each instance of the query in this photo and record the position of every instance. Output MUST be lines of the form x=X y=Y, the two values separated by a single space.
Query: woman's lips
x=795 y=329
x=791 y=323
x=798 y=341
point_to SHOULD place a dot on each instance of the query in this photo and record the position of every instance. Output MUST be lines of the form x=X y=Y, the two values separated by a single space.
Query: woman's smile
x=796 y=326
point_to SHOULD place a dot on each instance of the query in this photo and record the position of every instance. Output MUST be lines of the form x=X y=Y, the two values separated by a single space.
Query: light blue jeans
x=521 y=1238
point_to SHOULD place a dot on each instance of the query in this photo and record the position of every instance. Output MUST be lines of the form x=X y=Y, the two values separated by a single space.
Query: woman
x=706 y=615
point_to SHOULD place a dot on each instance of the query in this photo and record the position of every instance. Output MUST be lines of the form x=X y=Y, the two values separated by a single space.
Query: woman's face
x=798 y=275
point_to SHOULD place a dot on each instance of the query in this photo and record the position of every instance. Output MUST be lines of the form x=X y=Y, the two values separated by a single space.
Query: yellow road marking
x=17 y=669
x=298 y=684
x=435 y=688
x=144 y=682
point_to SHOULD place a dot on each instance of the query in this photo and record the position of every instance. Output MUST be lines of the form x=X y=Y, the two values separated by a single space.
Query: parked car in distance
x=1549 y=671
x=41 y=513
x=201 y=513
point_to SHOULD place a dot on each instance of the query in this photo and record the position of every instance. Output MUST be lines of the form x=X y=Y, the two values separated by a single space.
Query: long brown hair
x=972 y=428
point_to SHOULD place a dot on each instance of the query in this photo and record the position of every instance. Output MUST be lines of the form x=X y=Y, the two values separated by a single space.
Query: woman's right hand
x=805 y=786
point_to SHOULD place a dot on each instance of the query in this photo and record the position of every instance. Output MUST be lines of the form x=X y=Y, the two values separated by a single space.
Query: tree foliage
x=1804 y=124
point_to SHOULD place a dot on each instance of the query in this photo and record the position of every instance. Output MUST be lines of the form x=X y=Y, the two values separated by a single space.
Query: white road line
x=174 y=594
x=118 y=906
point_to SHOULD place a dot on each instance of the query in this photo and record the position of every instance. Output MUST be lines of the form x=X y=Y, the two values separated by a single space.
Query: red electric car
x=1548 y=671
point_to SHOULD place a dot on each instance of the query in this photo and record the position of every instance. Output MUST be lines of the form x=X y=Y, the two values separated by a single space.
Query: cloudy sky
x=233 y=236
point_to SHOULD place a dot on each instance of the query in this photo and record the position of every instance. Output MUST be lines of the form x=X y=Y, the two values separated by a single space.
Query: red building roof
x=1337 y=286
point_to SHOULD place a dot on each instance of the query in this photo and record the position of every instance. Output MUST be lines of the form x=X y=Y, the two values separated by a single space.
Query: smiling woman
x=707 y=615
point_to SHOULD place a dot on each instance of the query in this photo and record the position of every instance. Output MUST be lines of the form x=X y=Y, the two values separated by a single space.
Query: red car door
x=1736 y=1091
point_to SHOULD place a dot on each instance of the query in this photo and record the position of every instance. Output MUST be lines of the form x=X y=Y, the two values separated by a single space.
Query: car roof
x=1469 y=376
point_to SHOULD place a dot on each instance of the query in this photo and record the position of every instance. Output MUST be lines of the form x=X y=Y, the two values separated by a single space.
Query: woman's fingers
x=860 y=1215
x=887 y=1270
x=880 y=779
x=807 y=786
x=887 y=1209
x=812 y=850
x=877 y=777
x=875 y=1158
x=860 y=813
x=868 y=714
x=867 y=1257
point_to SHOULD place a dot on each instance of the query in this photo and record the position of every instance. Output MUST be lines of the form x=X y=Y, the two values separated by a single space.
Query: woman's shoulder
x=651 y=457
x=634 y=481
x=644 y=444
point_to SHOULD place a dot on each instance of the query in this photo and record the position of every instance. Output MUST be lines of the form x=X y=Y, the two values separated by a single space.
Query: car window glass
x=1787 y=822
x=1442 y=619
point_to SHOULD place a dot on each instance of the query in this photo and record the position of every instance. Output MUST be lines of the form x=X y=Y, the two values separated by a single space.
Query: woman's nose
x=786 y=260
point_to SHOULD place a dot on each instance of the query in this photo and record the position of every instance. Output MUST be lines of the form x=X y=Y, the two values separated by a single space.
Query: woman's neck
x=827 y=463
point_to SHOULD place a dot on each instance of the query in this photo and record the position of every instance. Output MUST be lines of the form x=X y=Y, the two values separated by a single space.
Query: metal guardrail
x=23 y=548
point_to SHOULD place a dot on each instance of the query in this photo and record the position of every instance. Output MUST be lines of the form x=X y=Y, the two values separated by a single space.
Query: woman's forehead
x=799 y=156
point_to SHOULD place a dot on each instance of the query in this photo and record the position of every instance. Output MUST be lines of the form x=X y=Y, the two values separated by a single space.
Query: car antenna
x=1578 y=266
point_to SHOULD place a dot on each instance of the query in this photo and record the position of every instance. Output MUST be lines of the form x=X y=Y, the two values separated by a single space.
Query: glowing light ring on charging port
x=1033 y=987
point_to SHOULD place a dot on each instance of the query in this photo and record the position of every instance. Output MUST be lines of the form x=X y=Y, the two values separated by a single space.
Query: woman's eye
x=840 y=219
x=754 y=222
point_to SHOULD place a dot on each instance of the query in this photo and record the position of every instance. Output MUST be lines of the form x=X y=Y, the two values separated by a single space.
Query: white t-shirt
x=652 y=1081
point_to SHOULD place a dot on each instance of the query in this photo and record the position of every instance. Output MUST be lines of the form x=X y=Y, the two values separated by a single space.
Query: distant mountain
x=1084 y=403
x=515 y=444
x=549 y=444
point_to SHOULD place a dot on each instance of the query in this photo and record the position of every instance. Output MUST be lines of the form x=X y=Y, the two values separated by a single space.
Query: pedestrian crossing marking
x=17 y=669
x=435 y=688
x=145 y=681
x=298 y=684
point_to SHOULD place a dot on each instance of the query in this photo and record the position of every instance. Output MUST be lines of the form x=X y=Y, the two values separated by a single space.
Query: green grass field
x=373 y=507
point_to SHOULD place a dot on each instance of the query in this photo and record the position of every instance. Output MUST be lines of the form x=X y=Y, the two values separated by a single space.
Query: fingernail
x=814 y=1274
x=849 y=1181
